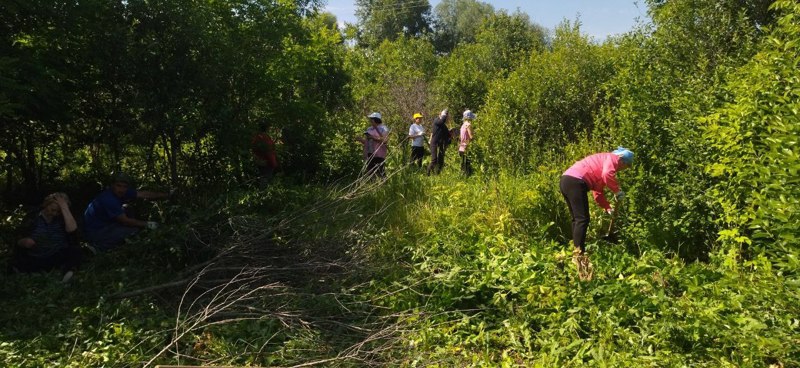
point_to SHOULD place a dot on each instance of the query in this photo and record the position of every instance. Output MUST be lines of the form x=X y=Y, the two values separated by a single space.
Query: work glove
x=151 y=225
x=619 y=196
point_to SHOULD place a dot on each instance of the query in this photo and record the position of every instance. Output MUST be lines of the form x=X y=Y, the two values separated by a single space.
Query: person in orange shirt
x=263 y=149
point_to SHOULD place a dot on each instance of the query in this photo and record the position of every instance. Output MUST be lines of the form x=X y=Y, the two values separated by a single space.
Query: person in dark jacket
x=52 y=241
x=440 y=138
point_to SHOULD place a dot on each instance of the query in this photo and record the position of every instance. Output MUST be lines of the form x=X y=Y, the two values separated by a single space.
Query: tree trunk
x=29 y=179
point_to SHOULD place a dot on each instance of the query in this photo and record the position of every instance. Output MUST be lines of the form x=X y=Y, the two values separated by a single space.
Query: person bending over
x=593 y=173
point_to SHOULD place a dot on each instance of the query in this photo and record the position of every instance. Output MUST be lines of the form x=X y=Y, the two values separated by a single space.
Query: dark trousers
x=375 y=165
x=66 y=259
x=575 y=192
x=466 y=165
x=110 y=236
x=265 y=173
x=437 y=158
x=417 y=153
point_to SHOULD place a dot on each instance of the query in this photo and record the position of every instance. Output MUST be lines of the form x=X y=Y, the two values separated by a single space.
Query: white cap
x=375 y=115
x=469 y=115
x=443 y=113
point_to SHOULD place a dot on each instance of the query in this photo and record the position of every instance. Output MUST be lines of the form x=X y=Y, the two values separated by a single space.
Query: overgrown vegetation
x=327 y=268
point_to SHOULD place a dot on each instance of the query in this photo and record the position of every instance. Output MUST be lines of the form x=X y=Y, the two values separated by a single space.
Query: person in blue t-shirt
x=106 y=222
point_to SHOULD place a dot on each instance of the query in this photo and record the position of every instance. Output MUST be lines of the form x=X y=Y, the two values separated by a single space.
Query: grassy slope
x=438 y=270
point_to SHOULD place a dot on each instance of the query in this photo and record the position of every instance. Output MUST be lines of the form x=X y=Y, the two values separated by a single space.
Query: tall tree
x=458 y=21
x=502 y=42
x=380 y=20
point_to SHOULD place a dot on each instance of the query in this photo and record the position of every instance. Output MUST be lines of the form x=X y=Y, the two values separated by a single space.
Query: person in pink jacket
x=464 y=138
x=594 y=173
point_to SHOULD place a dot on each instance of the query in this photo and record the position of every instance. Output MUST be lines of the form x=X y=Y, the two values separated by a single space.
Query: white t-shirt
x=415 y=130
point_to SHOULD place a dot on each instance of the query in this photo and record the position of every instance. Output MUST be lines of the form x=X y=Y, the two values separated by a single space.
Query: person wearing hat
x=52 y=241
x=440 y=138
x=375 y=142
x=415 y=134
x=106 y=222
x=593 y=173
x=464 y=138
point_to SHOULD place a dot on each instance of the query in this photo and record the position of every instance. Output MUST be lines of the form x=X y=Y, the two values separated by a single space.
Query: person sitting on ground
x=592 y=173
x=107 y=224
x=53 y=240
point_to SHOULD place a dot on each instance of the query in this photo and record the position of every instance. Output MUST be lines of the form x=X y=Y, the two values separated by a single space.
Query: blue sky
x=599 y=18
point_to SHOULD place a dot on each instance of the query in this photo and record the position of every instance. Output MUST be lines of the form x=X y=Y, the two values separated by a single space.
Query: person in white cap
x=464 y=139
x=440 y=138
x=375 y=145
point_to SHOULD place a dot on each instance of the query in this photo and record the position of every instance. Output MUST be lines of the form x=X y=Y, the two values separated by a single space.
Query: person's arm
x=610 y=175
x=469 y=132
x=143 y=194
x=69 y=221
x=412 y=133
x=601 y=200
x=382 y=137
x=129 y=221
x=26 y=243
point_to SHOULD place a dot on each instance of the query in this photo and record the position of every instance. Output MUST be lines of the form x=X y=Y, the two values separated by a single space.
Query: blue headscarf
x=625 y=154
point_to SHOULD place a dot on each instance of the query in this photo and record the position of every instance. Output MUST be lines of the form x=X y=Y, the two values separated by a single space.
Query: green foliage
x=458 y=22
x=392 y=79
x=435 y=271
x=91 y=91
x=547 y=101
x=754 y=153
x=503 y=41
x=485 y=284
x=668 y=78
x=381 y=20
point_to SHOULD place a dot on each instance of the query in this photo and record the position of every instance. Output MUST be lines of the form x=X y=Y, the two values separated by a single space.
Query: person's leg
x=372 y=166
x=111 y=236
x=380 y=164
x=265 y=174
x=434 y=158
x=69 y=259
x=574 y=191
x=21 y=262
x=416 y=156
x=440 y=159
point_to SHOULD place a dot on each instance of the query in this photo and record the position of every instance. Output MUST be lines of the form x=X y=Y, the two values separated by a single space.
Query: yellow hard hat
x=417 y=115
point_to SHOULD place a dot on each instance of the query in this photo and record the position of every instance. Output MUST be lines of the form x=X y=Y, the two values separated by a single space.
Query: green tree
x=458 y=21
x=380 y=20
x=548 y=101
x=503 y=42
x=754 y=141
x=673 y=74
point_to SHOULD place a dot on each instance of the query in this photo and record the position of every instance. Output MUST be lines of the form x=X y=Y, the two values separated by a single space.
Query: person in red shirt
x=263 y=148
x=592 y=173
